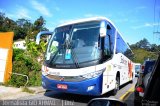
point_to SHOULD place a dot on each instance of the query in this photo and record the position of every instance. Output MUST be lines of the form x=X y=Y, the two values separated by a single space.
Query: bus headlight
x=93 y=74
x=44 y=70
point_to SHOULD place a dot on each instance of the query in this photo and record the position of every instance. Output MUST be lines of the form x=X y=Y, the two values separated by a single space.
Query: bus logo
x=61 y=78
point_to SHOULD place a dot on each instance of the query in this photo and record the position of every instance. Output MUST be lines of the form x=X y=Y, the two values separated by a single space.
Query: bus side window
x=107 y=49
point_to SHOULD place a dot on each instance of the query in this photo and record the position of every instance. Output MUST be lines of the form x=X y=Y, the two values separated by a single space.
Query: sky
x=135 y=19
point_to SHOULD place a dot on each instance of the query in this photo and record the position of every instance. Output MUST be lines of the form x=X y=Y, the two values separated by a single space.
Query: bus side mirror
x=105 y=102
x=103 y=32
x=38 y=37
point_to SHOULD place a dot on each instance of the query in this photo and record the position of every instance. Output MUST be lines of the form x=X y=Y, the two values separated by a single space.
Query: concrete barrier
x=6 y=52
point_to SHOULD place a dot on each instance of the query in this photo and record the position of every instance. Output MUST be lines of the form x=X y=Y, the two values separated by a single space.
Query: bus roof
x=86 y=20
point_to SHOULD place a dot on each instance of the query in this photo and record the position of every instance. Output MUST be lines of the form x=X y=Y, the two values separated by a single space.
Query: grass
x=25 y=89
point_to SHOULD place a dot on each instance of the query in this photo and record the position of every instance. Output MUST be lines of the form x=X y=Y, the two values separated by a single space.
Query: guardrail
x=21 y=75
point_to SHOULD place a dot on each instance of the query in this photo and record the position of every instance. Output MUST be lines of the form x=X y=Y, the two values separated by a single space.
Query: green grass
x=141 y=55
x=25 y=89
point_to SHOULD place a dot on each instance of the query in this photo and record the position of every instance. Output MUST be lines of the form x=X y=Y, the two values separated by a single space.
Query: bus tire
x=48 y=90
x=116 y=89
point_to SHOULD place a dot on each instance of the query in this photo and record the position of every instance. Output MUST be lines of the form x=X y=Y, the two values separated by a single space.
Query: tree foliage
x=143 y=50
x=22 y=28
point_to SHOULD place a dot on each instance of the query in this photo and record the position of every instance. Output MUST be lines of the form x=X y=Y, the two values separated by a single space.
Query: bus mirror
x=38 y=37
x=103 y=32
x=103 y=29
x=105 y=102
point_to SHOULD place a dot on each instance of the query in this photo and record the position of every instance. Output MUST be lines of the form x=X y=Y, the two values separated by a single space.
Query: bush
x=34 y=49
x=19 y=67
x=25 y=63
x=18 y=54
x=34 y=78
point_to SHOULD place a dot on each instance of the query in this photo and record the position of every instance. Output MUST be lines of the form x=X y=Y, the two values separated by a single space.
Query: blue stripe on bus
x=75 y=87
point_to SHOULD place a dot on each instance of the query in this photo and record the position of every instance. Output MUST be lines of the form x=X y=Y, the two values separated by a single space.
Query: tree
x=154 y=48
x=143 y=44
x=143 y=50
x=36 y=28
x=2 y=17
x=22 y=29
x=23 y=23
x=20 y=33
x=6 y=24
x=39 y=23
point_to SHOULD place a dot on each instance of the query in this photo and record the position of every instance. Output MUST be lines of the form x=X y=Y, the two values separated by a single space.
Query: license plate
x=61 y=86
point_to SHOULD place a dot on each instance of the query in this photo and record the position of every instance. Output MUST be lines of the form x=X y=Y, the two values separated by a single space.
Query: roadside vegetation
x=143 y=50
x=25 y=89
x=26 y=61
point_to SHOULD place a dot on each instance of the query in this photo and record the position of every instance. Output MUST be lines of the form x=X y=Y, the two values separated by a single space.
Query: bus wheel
x=116 y=89
x=48 y=90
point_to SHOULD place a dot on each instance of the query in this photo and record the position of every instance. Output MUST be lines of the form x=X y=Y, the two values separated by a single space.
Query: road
x=63 y=99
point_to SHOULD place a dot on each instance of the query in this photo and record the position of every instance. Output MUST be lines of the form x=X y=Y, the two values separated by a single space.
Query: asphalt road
x=64 y=99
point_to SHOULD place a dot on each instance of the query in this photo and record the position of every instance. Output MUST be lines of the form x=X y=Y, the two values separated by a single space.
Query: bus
x=86 y=56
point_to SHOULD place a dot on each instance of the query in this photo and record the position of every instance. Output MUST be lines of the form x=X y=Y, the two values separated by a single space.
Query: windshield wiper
x=66 y=46
x=75 y=58
x=69 y=46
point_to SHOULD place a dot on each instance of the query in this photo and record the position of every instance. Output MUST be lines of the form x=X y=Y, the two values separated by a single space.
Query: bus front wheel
x=48 y=90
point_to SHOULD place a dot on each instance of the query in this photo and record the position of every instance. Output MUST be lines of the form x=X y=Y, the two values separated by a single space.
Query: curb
x=37 y=90
x=42 y=91
x=7 y=93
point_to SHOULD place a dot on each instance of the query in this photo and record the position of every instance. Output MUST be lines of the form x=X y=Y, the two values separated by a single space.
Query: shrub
x=25 y=63
x=19 y=67
x=34 y=78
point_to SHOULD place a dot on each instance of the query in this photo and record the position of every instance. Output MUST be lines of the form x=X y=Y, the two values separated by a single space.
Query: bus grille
x=65 y=78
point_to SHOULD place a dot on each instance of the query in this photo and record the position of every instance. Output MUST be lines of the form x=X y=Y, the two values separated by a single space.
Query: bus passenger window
x=107 y=49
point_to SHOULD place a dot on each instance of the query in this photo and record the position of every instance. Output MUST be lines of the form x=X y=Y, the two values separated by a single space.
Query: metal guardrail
x=21 y=75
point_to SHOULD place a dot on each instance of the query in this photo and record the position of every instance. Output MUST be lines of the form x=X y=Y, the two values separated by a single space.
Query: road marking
x=126 y=95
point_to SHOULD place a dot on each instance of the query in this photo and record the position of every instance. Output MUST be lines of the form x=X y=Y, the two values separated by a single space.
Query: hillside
x=141 y=54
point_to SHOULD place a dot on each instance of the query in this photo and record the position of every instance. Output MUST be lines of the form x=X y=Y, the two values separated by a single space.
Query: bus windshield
x=74 y=45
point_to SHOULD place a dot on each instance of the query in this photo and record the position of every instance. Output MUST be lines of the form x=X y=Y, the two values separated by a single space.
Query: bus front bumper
x=86 y=87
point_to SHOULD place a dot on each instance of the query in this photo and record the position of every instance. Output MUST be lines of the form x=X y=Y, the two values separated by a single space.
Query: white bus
x=87 y=57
